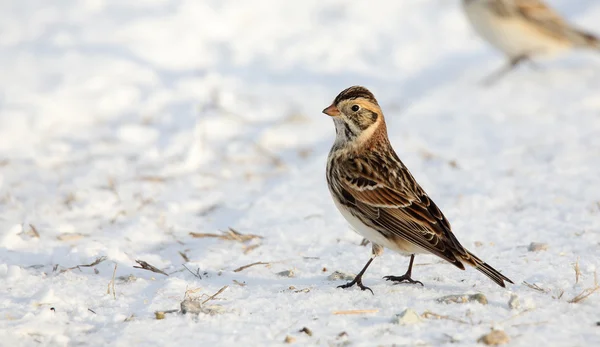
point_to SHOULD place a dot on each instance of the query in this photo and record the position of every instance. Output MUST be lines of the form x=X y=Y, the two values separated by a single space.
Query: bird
x=379 y=197
x=524 y=29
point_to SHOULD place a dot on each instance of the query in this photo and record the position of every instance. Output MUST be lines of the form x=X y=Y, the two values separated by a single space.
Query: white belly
x=373 y=235
x=512 y=35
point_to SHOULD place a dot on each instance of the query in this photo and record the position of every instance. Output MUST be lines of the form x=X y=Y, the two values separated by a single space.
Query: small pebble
x=286 y=273
x=464 y=298
x=191 y=306
x=289 y=339
x=513 y=302
x=407 y=317
x=127 y=279
x=537 y=246
x=496 y=337
x=338 y=275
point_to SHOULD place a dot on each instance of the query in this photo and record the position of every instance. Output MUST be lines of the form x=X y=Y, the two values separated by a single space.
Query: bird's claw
x=358 y=282
x=401 y=279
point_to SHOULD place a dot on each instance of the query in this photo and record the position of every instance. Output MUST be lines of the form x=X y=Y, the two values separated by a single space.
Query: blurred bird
x=379 y=197
x=523 y=29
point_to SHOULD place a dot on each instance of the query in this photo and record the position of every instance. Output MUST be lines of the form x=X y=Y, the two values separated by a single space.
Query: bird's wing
x=390 y=200
x=548 y=20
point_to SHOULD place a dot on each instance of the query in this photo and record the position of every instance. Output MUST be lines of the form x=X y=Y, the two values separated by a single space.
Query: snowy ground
x=126 y=126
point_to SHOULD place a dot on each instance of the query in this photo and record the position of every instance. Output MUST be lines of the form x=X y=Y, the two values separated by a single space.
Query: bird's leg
x=407 y=276
x=377 y=250
x=512 y=64
x=358 y=279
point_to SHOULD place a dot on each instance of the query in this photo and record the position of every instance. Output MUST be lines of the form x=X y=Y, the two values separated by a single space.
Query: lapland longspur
x=523 y=29
x=379 y=197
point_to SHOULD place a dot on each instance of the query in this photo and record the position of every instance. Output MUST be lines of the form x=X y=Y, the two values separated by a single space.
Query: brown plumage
x=377 y=194
x=525 y=29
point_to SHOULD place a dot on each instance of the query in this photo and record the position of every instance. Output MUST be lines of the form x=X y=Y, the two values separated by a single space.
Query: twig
x=587 y=292
x=155 y=179
x=113 y=282
x=535 y=287
x=184 y=256
x=96 y=262
x=250 y=265
x=583 y=295
x=231 y=235
x=191 y=291
x=176 y=271
x=429 y=314
x=239 y=283
x=145 y=266
x=251 y=248
x=89 y=309
x=197 y=274
x=560 y=295
x=215 y=294
x=375 y=310
x=34 y=231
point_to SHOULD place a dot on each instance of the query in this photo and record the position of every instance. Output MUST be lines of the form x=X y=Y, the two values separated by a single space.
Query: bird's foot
x=358 y=281
x=401 y=279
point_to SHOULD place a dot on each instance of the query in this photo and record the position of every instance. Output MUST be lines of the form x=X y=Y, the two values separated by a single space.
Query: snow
x=125 y=126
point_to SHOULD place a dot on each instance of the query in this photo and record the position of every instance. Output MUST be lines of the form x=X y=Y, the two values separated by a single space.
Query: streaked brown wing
x=543 y=16
x=400 y=209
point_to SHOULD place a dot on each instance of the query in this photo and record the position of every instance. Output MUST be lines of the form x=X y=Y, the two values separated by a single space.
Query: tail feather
x=587 y=40
x=487 y=270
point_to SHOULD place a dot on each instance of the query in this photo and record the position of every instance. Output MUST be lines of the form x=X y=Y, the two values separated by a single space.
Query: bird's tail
x=487 y=270
x=586 y=40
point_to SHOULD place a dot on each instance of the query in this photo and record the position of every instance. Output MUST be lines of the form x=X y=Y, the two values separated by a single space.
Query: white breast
x=404 y=248
x=515 y=36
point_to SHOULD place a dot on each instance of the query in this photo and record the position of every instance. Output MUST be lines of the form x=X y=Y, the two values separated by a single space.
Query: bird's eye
x=355 y=108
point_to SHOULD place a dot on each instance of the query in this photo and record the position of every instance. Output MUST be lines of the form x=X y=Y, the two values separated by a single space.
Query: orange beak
x=332 y=111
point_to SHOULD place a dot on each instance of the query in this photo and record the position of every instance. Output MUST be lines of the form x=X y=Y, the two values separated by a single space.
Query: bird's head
x=357 y=116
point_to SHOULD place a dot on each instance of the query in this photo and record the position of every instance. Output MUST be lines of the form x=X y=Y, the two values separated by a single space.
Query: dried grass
x=230 y=235
x=111 y=284
x=145 y=266
x=536 y=287
x=586 y=292
x=430 y=315
x=250 y=265
x=34 y=231
x=96 y=262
